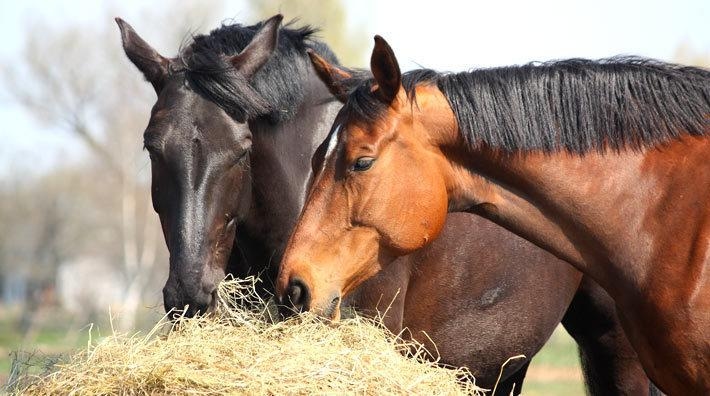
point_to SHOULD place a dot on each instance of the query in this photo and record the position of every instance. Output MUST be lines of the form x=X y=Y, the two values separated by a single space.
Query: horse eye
x=362 y=164
x=152 y=152
x=242 y=155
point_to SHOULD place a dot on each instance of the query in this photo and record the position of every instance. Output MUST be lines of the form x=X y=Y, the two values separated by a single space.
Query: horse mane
x=576 y=105
x=275 y=90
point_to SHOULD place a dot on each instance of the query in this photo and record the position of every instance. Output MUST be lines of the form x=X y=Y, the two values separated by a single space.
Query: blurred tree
x=39 y=219
x=349 y=44
x=687 y=55
x=77 y=79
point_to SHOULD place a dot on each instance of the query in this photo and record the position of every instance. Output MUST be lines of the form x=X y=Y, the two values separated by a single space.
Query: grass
x=52 y=333
x=555 y=370
x=567 y=388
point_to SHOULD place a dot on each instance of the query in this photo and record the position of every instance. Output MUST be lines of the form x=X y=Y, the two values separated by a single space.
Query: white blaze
x=332 y=143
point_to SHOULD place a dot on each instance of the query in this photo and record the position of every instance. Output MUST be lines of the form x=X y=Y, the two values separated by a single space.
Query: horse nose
x=170 y=298
x=298 y=295
x=198 y=301
x=202 y=302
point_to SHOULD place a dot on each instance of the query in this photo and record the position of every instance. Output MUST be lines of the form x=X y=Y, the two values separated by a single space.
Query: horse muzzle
x=299 y=298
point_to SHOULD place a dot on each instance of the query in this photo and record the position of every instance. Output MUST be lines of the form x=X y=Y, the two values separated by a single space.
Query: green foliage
x=686 y=54
x=555 y=370
x=350 y=45
x=559 y=351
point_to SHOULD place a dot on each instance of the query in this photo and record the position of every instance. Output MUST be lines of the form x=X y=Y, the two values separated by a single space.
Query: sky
x=440 y=34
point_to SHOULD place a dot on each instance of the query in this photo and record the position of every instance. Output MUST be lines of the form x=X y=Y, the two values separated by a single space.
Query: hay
x=238 y=351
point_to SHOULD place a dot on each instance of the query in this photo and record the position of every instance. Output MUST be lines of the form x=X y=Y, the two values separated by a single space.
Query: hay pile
x=238 y=351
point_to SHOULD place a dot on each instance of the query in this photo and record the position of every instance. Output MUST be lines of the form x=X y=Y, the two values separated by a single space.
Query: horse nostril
x=297 y=293
x=294 y=294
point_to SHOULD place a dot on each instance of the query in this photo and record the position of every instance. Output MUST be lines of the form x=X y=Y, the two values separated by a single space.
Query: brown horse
x=229 y=149
x=605 y=164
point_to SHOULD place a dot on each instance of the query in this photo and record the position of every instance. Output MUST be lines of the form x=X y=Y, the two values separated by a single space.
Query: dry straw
x=239 y=350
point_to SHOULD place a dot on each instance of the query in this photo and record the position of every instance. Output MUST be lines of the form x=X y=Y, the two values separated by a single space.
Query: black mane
x=575 y=105
x=275 y=91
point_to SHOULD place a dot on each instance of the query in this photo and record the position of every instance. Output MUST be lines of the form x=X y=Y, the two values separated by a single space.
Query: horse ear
x=333 y=77
x=386 y=71
x=259 y=49
x=153 y=65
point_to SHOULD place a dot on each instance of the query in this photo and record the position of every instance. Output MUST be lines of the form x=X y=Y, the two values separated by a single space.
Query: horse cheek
x=415 y=223
x=434 y=222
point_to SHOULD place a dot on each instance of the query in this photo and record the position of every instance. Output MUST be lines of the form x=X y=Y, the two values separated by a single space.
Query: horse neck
x=281 y=168
x=603 y=213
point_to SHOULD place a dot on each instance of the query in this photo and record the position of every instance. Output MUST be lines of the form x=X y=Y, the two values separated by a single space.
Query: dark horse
x=230 y=140
x=606 y=164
